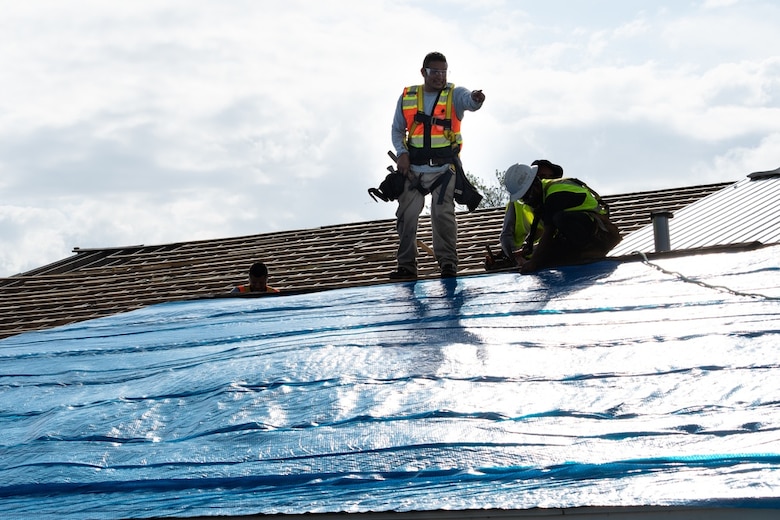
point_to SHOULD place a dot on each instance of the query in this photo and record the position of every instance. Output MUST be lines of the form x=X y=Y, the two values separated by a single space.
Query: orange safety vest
x=245 y=288
x=430 y=136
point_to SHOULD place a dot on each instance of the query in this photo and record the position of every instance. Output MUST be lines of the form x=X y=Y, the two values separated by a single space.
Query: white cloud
x=715 y=4
x=764 y=156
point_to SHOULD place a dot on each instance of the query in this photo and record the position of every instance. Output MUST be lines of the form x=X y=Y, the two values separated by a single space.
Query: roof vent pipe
x=661 y=230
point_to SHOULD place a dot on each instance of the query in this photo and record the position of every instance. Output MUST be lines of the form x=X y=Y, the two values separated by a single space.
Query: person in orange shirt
x=258 y=281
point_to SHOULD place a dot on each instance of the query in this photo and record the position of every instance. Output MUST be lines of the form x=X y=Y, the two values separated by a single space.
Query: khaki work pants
x=443 y=223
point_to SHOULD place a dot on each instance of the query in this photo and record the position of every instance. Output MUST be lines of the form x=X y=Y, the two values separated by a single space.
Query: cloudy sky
x=149 y=122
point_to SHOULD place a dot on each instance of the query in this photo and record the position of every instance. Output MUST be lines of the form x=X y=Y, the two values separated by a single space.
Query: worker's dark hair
x=433 y=56
x=258 y=269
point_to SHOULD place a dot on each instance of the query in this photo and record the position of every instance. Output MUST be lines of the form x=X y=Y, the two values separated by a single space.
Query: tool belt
x=465 y=193
x=607 y=234
x=389 y=189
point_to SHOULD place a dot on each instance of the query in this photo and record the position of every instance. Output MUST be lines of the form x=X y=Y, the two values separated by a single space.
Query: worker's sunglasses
x=435 y=72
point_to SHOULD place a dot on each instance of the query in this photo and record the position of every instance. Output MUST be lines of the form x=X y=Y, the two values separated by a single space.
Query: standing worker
x=426 y=137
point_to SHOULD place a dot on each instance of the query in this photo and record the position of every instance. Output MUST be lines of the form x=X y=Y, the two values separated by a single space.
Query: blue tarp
x=611 y=384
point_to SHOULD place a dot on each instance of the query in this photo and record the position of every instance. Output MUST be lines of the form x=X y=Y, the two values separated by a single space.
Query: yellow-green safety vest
x=591 y=203
x=524 y=217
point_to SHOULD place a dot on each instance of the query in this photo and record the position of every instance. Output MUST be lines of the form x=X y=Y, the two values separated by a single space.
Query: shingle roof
x=99 y=282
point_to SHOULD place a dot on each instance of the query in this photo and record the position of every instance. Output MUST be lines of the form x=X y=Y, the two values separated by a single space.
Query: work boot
x=402 y=273
x=448 y=271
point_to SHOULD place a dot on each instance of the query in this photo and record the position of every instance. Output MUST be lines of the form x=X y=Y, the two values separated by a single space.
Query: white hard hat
x=518 y=180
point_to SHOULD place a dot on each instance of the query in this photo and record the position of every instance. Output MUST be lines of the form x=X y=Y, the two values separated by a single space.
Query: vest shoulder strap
x=593 y=192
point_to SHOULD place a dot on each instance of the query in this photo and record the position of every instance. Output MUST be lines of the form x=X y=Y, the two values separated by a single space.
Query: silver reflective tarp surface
x=612 y=384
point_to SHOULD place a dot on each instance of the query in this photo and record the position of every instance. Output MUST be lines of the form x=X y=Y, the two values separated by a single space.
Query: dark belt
x=433 y=162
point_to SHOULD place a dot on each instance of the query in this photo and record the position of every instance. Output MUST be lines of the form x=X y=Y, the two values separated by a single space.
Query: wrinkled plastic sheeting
x=607 y=384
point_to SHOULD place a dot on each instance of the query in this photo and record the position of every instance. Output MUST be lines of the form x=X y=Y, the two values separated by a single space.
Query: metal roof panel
x=747 y=211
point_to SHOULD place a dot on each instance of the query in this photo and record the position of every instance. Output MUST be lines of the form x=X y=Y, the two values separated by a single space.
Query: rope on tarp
x=704 y=284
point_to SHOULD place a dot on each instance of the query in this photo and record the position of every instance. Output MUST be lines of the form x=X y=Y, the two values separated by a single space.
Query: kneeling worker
x=576 y=221
x=519 y=216
x=258 y=281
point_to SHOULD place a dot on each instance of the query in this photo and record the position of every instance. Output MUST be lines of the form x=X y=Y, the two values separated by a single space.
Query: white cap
x=518 y=180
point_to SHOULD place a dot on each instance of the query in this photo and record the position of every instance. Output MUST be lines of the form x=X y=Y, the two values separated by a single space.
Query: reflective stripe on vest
x=441 y=137
x=590 y=203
